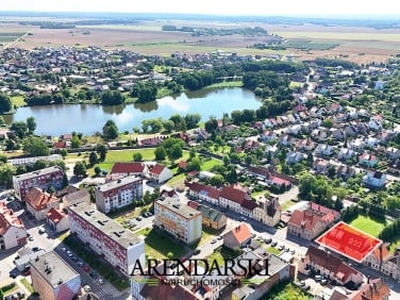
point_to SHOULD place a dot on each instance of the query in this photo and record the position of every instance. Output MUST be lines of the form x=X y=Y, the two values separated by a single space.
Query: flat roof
x=349 y=241
x=109 y=227
x=40 y=172
x=118 y=183
x=53 y=269
x=178 y=208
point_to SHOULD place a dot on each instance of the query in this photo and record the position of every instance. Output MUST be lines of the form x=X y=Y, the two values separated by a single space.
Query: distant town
x=297 y=199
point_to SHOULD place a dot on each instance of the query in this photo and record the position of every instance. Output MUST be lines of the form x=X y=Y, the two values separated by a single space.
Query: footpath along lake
x=89 y=118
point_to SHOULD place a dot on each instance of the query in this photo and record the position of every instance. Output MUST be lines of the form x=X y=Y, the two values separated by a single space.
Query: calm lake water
x=89 y=118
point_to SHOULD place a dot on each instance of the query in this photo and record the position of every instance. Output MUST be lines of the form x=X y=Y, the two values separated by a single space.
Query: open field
x=368 y=225
x=358 y=44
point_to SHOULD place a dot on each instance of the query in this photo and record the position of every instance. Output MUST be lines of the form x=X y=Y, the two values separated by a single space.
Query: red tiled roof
x=59 y=145
x=157 y=169
x=241 y=232
x=305 y=220
x=38 y=199
x=8 y=219
x=250 y=205
x=193 y=204
x=55 y=215
x=279 y=181
x=127 y=168
x=376 y=289
x=232 y=194
x=204 y=189
x=330 y=262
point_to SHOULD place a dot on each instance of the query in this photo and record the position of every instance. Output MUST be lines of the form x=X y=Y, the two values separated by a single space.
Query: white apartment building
x=178 y=219
x=117 y=194
x=119 y=246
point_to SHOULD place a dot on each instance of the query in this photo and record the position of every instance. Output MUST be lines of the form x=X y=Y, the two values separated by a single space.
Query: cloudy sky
x=226 y=7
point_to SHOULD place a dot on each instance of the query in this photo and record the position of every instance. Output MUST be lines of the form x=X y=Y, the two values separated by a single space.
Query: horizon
x=256 y=8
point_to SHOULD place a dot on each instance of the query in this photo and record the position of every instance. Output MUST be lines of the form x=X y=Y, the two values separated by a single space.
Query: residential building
x=345 y=154
x=306 y=145
x=345 y=172
x=203 y=192
x=294 y=157
x=39 y=202
x=392 y=153
x=76 y=197
x=321 y=166
x=238 y=236
x=375 y=179
x=43 y=179
x=12 y=230
x=159 y=173
x=53 y=279
x=117 y=245
x=324 y=150
x=368 y=160
x=232 y=197
x=330 y=266
x=311 y=221
x=182 y=221
x=268 y=211
x=57 y=220
x=211 y=218
x=117 y=194
x=129 y=169
x=373 y=289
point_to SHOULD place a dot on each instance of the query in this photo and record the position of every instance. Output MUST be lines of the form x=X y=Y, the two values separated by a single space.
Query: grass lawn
x=368 y=225
x=158 y=244
x=393 y=246
x=287 y=291
x=17 y=101
x=207 y=235
x=177 y=180
x=223 y=253
x=27 y=285
x=273 y=250
x=288 y=204
x=209 y=164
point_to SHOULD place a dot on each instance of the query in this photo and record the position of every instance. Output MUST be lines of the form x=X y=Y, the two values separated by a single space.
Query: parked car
x=197 y=251
x=87 y=288
x=93 y=274
x=274 y=244
x=80 y=264
x=100 y=281
x=213 y=241
x=35 y=249
x=306 y=287
x=139 y=218
x=302 y=283
x=324 y=281
x=318 y=277
x=85 y=268
x=268 y=240
x=42 y=230
x=281 y=247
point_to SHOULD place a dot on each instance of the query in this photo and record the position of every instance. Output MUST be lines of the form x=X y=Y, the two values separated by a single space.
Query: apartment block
x=43 y=179
x=117 y=194
x=178 y=219
x=117 y=245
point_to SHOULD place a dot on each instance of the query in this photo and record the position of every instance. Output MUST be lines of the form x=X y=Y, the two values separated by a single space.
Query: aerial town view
x=174 y=150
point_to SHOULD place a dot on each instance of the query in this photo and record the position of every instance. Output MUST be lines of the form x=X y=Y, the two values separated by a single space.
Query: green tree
x=20 y=128
x=35 y=146
x=31 y=124
x=97 y=171
x=307 y=184
x=75 y=142
x=160 y=153
x=217 y=180
x=110 y=130
x=80 y=169
x=7 y=171
x=102 y=151
x=5 y=103
x=137 y=156
x=93 y=159
x=175 y=152
x=63 y=152
x=194 y=164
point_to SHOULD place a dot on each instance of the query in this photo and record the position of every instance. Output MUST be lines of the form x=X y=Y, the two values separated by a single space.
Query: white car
x=87 y=288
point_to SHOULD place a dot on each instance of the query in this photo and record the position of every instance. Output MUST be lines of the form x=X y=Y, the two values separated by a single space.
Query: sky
x=213 y=7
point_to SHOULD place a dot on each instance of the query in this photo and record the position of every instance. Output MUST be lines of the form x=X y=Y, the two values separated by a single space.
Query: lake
x=89 y=118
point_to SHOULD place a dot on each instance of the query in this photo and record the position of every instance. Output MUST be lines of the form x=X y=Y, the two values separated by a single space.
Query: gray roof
x=114 y=230
x=118 y=183
x=37 y=173
x=27 y=257
x=53 y=269
x=178 y=208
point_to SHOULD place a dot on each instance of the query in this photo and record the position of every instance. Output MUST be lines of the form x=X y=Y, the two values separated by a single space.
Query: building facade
x=43 y=179
x=53 y=278
x=39 y=203
x=117 y=245
x=117 y=194
x=12 y=230
x=182 y=221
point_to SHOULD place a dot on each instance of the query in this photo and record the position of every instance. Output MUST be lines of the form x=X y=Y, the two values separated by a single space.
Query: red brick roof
x=241 y=233
x=8 y=219
x=376 y=289
x=305 y=220
x=204 y=189
x=193 y=204
x=248 y=204
x=332 y=263
x=127 y=168
x=38 y=199
x=55 y=215
x=234 y=194
x=157 y=169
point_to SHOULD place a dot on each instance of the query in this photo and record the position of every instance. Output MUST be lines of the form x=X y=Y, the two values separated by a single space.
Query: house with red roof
x=57 y=220
x=238 y=236
x=203 y=192
x=311 y=221
x=12 y=230
x=330 y=266
x=159 y=173
x=373 y=289
x=39 y=203
x=232 y=197
x=368 y=160
x=129 y=169
x=381 y=260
